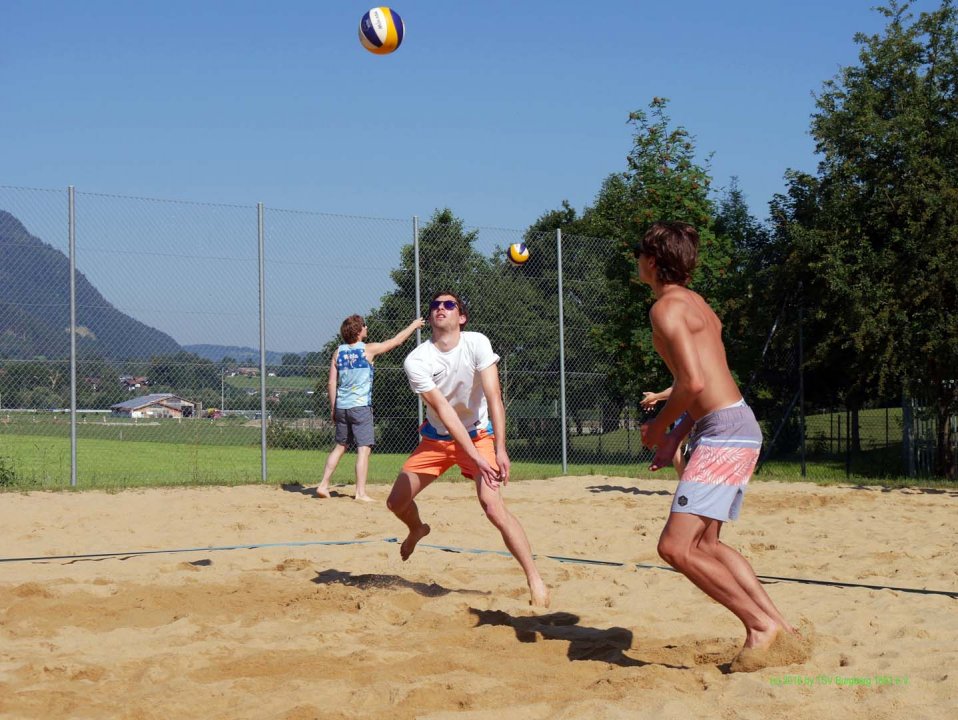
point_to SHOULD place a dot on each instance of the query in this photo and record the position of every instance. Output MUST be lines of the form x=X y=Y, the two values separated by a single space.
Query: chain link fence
x=174 y=301
x=811 y=426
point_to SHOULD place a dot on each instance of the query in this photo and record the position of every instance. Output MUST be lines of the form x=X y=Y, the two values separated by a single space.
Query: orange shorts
x=434 y=457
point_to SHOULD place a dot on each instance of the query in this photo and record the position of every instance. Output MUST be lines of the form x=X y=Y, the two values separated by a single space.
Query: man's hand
x=502 y=460
x=652 y=434
x=649 y=401
x=665 y=451
x=488 y=474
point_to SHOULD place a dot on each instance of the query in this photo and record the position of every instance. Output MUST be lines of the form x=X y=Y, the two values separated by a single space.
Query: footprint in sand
x=293 y=564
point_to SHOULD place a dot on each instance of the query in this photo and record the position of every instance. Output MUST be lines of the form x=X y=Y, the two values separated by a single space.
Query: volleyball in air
x=381 y=30
x=518 y=253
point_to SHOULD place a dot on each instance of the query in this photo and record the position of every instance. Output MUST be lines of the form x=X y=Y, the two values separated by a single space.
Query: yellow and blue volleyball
x=381 y=30
x=518 y=253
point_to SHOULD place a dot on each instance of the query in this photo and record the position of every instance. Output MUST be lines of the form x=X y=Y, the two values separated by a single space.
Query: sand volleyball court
x=297 y=630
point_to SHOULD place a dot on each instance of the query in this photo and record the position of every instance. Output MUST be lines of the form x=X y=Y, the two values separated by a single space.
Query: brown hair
x=463 y=310
x=674 y=245
x=351 y=328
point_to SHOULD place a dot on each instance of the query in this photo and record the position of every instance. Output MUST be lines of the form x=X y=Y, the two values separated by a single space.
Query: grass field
x=115 y=453
x=223 y=431
x=43 y=462
x=876 y=427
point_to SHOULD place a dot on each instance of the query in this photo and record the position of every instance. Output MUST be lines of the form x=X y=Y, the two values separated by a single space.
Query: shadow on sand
x=310 y=491
x=907 y=490
x=385 y=582
x=585 y=643
x=626 y=490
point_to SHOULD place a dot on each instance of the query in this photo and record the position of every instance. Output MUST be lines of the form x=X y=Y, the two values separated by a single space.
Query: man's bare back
x=719 y=388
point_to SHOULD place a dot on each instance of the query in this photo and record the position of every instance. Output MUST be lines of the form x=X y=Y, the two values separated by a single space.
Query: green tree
x=293 y=364
x=663 y=182
x=98 y=385
x=183 y=373
x=832 y=364
x=590 y=396
x=316 y=365
x=749 y=302
x=880 y=254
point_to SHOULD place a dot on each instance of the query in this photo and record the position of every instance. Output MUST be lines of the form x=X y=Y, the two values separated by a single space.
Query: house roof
x=144 y=400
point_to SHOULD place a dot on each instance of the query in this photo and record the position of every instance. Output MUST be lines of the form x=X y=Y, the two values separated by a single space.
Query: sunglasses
x=448 y=304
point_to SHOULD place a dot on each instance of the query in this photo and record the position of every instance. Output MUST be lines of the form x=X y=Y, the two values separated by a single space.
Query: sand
x=302 y=631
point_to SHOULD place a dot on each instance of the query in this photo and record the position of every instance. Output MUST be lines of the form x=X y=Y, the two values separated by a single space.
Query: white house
x=158 y=405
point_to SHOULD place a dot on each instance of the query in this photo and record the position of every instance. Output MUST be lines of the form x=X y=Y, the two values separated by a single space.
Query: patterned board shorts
x=725 y=445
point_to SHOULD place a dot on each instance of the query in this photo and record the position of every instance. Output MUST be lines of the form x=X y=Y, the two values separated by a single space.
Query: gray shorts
x=355 y=426
x=725 y=446
x=718 y=502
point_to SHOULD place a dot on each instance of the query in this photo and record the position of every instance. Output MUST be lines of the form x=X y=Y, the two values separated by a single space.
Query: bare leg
x=403 y=505
x=742 y=572
x=515 y=539
x=362 y=470
x=679 y=546
x=332 y=460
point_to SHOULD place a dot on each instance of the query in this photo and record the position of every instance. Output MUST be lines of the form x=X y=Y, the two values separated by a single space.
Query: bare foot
x=322 y=492
x=540 y=594
x=784 y=649
x=364 y=498
x=762 y=639
x=409 y=544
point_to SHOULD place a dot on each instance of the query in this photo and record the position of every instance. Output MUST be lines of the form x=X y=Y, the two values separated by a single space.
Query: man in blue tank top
x=351 y=397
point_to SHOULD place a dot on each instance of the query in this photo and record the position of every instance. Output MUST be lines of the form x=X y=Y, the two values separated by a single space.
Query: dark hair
x=463 y=310
x=351 y=328
x=675 y=246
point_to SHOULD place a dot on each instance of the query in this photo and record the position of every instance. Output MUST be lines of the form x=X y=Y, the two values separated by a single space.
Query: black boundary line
x=134 y=553
x=475 y=551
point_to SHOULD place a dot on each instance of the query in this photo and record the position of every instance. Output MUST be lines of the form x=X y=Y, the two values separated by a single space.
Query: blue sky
x=499 y=110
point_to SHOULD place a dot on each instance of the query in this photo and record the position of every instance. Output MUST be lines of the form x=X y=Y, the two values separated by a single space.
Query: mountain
x=239 y=354
x=35 y=307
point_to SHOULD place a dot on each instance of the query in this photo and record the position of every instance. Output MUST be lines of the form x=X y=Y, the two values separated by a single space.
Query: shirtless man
x=725 y=440
x=457 y=375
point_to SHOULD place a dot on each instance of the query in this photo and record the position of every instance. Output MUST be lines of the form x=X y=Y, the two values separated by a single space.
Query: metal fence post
x=72 y=229
x=262 y=336
x=801 y=375
x=415 y=250
x=848 y=443
x=565 y=449
x=907 y=436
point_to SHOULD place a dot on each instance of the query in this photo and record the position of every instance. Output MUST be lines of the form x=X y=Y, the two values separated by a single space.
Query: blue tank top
x=355 y=374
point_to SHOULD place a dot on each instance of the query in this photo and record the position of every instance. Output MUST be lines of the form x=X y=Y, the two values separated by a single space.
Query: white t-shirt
x=456 y=374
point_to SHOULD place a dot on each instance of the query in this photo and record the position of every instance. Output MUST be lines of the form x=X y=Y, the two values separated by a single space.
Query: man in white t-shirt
x=456 y=374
